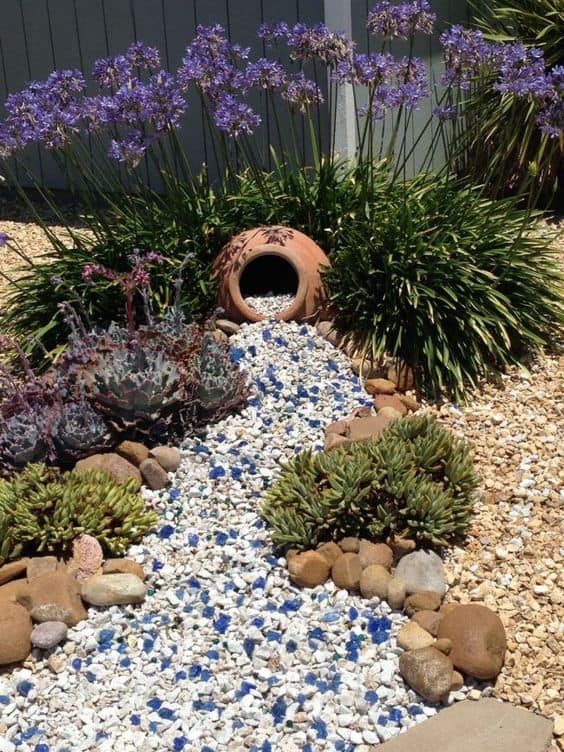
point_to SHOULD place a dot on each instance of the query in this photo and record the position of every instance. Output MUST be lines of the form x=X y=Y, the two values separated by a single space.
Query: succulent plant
x=78 y=431
x=220 y=385
x=416 y=480
x=44 y=510
x=136 y=388
x=24 y=438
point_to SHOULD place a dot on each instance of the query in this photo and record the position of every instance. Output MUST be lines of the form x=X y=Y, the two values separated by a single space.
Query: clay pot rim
x=269 y=249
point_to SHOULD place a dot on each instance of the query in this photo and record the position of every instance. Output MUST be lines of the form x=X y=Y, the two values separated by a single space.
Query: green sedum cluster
x=43 y=509
x=415 y=480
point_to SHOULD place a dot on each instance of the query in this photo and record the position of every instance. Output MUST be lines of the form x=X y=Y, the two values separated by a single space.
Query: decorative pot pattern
x=293 y=247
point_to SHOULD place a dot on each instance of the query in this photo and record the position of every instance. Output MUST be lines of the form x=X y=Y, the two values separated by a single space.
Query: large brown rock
x=374 y=582
x=380 y=386
x=428 y=672
x=113 y=590
x=422 y=571
x=54 y=597
x=334 y=440
x=390 y=400
x=133 y=451
x=10 y=591
x=375 y=553
x=425 y=601
x=168 y=458
x=118 y=467
x=402 y=376
x=478 y=640
x=40 y=565
x=396 y=592
x=349 y=545
x=330 y=551
x=429 y=620
x=123 y=566
x=363 y=429
x=13 y=570
x=413 y=637
x=15 y=633
x=308 y=569
x=155 y=476
x=346 y=571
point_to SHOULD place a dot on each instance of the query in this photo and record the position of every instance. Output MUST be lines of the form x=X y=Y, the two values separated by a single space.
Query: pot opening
x=269 y=284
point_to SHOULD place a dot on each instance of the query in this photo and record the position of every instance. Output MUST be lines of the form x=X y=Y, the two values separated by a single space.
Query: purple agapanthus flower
x=271 y=32
x=234 y=117
x=446 y=112
x=550 y=119
x=142 y=56
x=412 y=84
x=373 y=69
x=265 y=74
x=465 y=53
x=301 y=92
x=401 y=21
x=522 y=71
x=112 y=72
x=130 y=150
x=318 y=41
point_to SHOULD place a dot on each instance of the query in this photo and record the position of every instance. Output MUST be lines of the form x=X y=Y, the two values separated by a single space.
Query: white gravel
x=225 y=653
x=270 y=304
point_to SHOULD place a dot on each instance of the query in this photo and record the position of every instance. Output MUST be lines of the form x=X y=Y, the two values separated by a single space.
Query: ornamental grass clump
x=42 y=510
x=448 y=281
x=416 y=480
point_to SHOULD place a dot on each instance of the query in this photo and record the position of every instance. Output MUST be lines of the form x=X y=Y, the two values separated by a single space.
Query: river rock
x=155 y=476
x=429 y=620
x=168 y=458
x=13 y=570
x=390 y=400
x=117 y=467
x=363 y=429
x=37 y=566
x=87 y=558
x=11 y=591
x=133 y=451
x=349 y=545
x=326 y=329
x=396 y=592
x=330 y=551
x=375 y=553
x=346 y=571
x=402 y=376
x=410 y=402
x=379 y=386
x=227 y=327
x=444 y=645
x=412 y=637
x=478 y=640
x=54 y=597
x=123 y=566
x=422 y=571
x=334 y=440
x=425 y=601
x=428 y=672
x=457 y=681
x=15 y=631
x=48 y=634
x=401 y=546
x=308 y=569
x=113 y=590
x=374 y=582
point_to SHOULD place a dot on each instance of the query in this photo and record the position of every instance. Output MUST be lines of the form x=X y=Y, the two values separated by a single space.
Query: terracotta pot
x=291 y=253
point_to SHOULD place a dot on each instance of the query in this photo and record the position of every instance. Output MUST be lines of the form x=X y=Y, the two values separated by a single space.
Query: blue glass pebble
x=41 y=748
x=76 y=664
x=135 y=719
x=279 y=710
x=320 y=728
x=4 y=700
x=221 y=539
x=331 y=617
x=154 y=703
x=222 y=623
x=175 y=493
x=179 y=743
x=166 y=532
x=371 y=696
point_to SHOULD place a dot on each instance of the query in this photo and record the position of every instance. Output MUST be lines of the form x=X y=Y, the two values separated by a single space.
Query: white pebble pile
x=225 y=653
x=270 y=304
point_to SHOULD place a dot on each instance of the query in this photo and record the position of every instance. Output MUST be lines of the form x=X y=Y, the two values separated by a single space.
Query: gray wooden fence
x=37 y=36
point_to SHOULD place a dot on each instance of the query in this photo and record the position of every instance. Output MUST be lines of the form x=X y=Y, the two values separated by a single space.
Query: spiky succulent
x=24 y=438
x=78 y=431
x=44 y=510
x=221 y=387
x=136 y=388
x=415 y=480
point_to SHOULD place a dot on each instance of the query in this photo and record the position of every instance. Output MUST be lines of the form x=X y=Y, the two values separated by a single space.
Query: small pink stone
x=87 y=557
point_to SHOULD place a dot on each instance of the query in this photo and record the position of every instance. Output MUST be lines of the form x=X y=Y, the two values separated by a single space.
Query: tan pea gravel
x=514 y=556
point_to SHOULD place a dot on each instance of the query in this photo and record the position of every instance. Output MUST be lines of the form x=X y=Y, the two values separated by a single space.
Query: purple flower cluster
x=401 y=21
x=301 y=92
x=119 y=70
x=318 y=41
x=391 y=83
x=211 y=64
x=465 y=53
x=45 y=112
x=521 y=71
